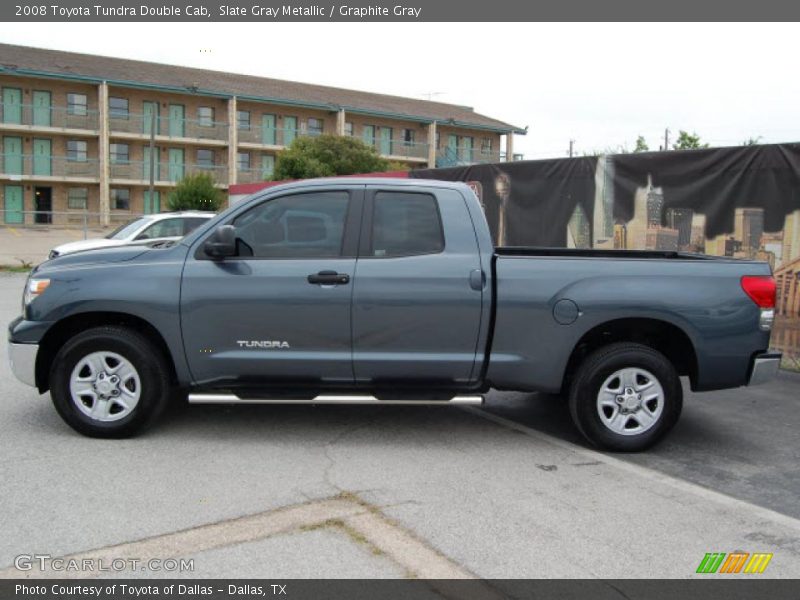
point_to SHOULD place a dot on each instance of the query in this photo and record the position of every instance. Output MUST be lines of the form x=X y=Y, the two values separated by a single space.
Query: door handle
x=329 y=278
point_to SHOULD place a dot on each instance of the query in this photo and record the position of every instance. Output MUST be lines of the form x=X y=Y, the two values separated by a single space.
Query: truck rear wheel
x=625 y=397
x=109 y=382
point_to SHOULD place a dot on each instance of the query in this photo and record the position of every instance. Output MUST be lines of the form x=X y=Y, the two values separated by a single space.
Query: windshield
x=126 y=229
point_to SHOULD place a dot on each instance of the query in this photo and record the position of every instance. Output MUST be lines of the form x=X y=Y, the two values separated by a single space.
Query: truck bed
x=593 y=253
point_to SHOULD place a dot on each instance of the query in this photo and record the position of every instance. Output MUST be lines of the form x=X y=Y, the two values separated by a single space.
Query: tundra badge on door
x=262 y=344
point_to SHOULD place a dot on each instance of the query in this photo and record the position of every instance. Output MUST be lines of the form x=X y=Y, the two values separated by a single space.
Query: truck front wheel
x=109 y=382
x=625 y=397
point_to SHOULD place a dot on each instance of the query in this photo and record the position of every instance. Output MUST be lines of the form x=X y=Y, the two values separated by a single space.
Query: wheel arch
x=663 y=336
x=68 y=327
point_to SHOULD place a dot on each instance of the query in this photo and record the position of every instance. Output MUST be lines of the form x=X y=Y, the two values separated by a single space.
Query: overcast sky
x=599 y=84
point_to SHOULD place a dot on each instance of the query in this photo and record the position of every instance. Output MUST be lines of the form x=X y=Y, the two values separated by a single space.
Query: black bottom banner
x=396 y=589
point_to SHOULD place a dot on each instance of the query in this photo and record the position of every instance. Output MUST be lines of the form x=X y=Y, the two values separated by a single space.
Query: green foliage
x=326 y=156
x=195 y=192
x=641 y=145
x=688 y=141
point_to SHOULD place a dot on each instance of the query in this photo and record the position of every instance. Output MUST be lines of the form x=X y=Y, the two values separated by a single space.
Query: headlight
x=33 y=289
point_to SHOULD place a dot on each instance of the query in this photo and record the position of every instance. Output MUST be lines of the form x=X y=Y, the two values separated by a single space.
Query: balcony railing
x=455 y=156
x=272 y=136
x=398 y=148
x=137 y=170
x=27 y=165
x=142 y=124
x=253 y=175
x=52 y=116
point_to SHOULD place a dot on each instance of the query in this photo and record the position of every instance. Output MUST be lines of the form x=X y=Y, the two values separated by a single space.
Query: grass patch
x=15 y=268
x=791 y=363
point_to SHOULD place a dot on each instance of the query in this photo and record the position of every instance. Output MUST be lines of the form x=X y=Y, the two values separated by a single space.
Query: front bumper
x=23 y=361
x=765 y=367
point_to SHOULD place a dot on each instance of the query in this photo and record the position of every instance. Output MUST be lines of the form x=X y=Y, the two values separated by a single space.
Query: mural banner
x=741 y=202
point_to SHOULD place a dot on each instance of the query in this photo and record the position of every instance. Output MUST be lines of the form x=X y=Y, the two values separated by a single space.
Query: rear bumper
x=764 y=368
x=22 y=358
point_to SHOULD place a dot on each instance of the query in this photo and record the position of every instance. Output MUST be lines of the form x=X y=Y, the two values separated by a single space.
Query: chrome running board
x=330 y=399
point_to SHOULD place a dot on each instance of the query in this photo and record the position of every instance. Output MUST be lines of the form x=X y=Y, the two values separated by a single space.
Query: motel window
x=77 y=104
x=77 y=198
x=120 y=199
x=205 y=116
x=315 y=126
x=76 y=150
x=486 y=146
x=118 y=108
x=408 y=137
x=243 y=160
x=348 y=129
x=243 y=119
x=120 y=153
x=205 y=157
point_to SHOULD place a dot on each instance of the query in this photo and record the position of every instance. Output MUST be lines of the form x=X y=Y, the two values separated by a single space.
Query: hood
x=89 y=244
x=113 y=254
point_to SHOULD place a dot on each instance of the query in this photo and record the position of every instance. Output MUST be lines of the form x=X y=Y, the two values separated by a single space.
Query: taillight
x=761 y=290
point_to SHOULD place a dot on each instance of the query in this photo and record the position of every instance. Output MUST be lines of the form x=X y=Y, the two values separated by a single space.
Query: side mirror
x=222 y=242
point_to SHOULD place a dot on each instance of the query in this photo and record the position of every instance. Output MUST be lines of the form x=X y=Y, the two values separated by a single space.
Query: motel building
x=77 y=130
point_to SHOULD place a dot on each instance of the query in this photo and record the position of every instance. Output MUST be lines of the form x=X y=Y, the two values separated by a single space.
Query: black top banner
x=396 y=10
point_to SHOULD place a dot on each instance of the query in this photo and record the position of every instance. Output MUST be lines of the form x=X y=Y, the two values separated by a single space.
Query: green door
x=12 y=204
x=175 y=164
x=146 y=164
x=12 y=106
x=289 y=130
x=154 y=205
x=12 y=155
x=268 y=129
x=176 y=120
x=386 y=140
x=42 y=157
x=466 y=149
x=368 y=135
x=267 y=166
x=42 y=109
x=149 y=112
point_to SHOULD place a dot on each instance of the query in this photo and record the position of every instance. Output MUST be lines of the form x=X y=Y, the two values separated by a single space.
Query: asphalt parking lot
x=506 y=491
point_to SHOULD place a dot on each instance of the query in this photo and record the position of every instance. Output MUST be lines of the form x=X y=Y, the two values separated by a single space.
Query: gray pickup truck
x=386 y=291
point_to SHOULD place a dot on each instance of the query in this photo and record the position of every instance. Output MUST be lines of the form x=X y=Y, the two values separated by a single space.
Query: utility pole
x=666 y=139
x=571 y=146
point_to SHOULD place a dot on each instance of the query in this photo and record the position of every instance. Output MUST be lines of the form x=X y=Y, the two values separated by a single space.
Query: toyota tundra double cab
x=386 y=291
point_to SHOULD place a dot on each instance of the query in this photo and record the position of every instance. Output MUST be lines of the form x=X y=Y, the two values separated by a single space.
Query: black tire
x=150 y=366
x=593 y=373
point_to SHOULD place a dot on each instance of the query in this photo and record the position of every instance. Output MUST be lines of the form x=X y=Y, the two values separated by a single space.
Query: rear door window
x=405 y=224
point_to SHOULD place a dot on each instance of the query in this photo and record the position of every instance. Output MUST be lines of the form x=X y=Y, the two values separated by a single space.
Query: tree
x=641 y=145
x=688 y=141
x=195 y=192
x=752 y=141
x=326 y=156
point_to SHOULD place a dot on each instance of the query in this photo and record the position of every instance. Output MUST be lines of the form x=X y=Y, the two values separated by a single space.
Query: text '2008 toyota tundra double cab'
x=386 y=291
